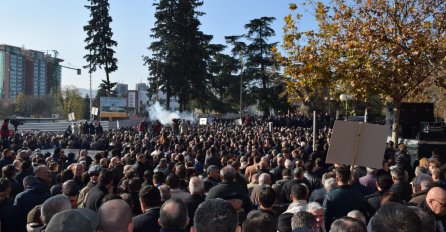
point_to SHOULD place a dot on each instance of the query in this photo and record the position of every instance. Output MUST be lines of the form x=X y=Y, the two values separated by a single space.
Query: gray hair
x=356 y=214
x=29 y=180
x=330 y=184
x=419 y=170
x=52 y=206
x=196 y=185
x=288 y=164
x=312 y=206
x=424 y=180
x=264 y=177
x=228 y=173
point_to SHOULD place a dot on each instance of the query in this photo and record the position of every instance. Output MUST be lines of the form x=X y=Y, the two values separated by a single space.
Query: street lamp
x=344 y=98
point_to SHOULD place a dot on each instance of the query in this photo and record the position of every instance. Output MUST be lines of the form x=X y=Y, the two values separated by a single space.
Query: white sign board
x=357 y=143
x=238 y=122
x=71 y=117
x=203 y=121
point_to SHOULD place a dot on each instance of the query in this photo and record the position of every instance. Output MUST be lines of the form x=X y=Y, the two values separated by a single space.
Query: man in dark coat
x=400 y=185
x=340 y=201
x=150 y=199
x=299 y=178
x=213 y=177
x=372 y=201
x=8 y=157
x=96 y=194
x=196 y=188
x=7 y=213
x=229 y=189
x=140 y=165
x=35 y=193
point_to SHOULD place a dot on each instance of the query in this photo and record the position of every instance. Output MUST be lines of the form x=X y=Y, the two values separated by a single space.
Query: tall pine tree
x=177 y=65
x=259 y=71
x=100 y=43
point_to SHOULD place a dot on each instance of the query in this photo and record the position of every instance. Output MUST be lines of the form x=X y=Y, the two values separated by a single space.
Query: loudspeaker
x=411 y=115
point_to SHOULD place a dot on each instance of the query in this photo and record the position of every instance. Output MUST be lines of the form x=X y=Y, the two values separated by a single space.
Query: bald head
x=115 y=215
x=114 y=161
x=436 y=200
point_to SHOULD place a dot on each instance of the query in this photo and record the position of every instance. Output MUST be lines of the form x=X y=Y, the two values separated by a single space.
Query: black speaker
x=411 y=115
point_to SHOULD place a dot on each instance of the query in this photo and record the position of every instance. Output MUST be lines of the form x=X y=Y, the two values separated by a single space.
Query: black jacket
x=95 y=196
x=403 y=190
x=33 y=195
x=230 y=190
x=339 y=202
x=7 y=215
x=192 y=203
x=372 y=203
x=147 y=222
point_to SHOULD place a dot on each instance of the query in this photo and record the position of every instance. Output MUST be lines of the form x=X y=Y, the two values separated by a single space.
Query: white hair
x=263 y=177
x=312 y=206
x=330 y=184
x=196 y=185
x=288 y=164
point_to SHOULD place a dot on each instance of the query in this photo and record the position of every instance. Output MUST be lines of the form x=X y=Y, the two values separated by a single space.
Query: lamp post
x=344 y=98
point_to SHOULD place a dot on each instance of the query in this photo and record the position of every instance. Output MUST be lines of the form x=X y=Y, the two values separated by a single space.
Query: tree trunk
x=396 y=121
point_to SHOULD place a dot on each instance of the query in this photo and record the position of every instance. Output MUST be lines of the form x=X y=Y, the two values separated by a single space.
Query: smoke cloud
x=157 y=112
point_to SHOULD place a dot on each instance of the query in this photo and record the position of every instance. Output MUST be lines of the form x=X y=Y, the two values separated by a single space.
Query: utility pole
x=241 y=86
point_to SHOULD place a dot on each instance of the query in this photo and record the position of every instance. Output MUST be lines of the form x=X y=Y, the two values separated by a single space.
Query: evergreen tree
x=259 y=72
x=100 y=43
x=179 y=53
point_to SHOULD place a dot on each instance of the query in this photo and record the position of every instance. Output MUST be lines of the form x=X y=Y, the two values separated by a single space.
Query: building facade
x=31 y=72
x=122 y=89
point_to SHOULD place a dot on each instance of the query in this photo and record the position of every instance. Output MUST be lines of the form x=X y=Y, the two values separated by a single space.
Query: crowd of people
x=216 y=177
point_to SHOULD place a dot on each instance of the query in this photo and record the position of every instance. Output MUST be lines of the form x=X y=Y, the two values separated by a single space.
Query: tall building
x=122 y=89
x=31 y=72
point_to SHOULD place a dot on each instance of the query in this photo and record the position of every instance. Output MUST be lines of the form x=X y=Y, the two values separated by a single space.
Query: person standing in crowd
x=435 y=205
x=96 y=194
x=34 y=194
x=150 y=200
x=215 y=215
x=173 y=216
x=115 y=216
x=4 y=134
x=342 y=200
x=196 y=188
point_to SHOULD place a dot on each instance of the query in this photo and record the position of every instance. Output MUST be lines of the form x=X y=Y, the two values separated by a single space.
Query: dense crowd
x=216 y=177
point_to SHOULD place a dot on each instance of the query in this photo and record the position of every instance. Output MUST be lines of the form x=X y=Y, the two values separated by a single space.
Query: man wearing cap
x=93 y=171
x=150 y=200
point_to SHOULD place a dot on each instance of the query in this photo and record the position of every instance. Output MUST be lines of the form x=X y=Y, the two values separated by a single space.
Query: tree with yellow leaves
x=390 y=48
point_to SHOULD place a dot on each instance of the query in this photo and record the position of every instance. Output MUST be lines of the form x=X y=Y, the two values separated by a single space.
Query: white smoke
x=157 y=112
